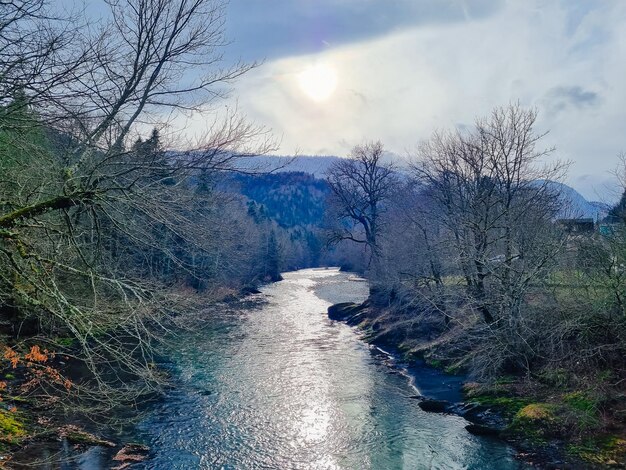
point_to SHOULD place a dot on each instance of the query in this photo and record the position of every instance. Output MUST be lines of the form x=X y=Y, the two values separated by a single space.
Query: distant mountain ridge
x=313 y=165
x=577 y=206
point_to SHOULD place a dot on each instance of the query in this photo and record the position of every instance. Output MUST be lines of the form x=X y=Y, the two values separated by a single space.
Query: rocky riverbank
x=437 y=391
x=528 y=422
x=47 y=441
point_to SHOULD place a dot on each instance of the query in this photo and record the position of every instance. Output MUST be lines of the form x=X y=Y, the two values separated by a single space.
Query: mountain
x=576 y=206
x=313 y=165
x=294 y=193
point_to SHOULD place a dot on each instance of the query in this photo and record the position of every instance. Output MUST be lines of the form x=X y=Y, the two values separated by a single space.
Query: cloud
x=408 y=67
x=262 y=29
x=560 y=98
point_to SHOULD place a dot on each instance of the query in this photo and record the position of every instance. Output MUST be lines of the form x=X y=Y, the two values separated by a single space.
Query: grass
x=555 y=378
x=581 y=411
x=536 y=413
x=535 y=422
x=581 y=401
x=606 y=450
x=65 y=341
x=508 y=406
x=575 y=416
x=436 y=363
x=11 y=427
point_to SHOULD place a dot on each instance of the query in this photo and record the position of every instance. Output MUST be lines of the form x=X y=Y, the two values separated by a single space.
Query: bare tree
x=498 y=201
x=43 y=54
x=76 y=198
x=361 y=186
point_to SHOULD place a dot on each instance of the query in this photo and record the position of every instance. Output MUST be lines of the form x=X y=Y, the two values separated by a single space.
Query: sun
x=318 y=82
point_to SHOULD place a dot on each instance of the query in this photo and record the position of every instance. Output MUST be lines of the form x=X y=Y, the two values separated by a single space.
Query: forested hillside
x=292 y=199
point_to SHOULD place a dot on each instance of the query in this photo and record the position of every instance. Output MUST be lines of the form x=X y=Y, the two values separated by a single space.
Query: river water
x=277 y=385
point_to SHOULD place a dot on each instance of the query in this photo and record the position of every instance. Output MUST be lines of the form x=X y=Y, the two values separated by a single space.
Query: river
x=271 y=383
x=277 y=385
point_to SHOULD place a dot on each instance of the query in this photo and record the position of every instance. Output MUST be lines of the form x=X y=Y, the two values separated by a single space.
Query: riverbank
x=39 y=429
x=42 y=434
x=537 y=420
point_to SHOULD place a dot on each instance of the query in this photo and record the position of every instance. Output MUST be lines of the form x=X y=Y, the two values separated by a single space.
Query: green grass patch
x=507 y=405
x=606 y=450
x=556 y=378
x=505 y=380
x=11 y=427
x=436 y=363
x=453 y=369
x=536 y=412
x=65 y=341
x=582 y=411
x=536 y=422
x=581 y=401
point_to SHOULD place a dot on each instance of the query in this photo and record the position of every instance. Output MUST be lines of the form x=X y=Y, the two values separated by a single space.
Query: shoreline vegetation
x=536 y=421
x=42 y=433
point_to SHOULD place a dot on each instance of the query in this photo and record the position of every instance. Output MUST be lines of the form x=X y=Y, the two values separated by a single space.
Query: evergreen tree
x=618 y=212
x=272 y=258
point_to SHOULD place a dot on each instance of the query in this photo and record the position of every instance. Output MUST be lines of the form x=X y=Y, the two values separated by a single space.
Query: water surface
x=280 y=386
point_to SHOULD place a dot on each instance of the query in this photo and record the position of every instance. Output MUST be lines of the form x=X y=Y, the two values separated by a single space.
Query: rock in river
x=435 y=406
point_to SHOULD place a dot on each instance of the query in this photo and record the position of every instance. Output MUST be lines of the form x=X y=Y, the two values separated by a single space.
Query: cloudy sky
x=336 y=72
